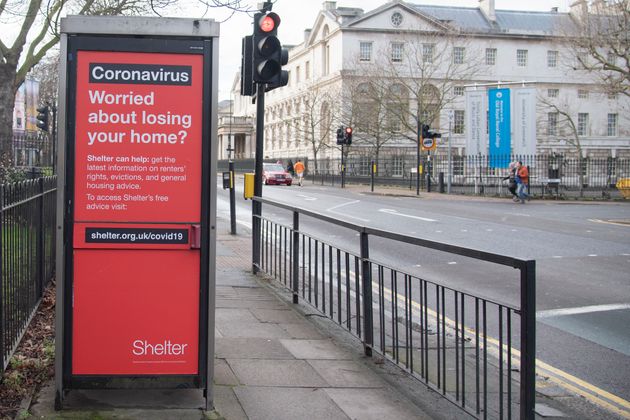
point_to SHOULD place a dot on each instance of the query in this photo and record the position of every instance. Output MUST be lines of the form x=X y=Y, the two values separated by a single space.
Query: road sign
x=428 y=143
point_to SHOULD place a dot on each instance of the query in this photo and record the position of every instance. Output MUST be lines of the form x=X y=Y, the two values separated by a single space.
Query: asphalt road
x=582 y=252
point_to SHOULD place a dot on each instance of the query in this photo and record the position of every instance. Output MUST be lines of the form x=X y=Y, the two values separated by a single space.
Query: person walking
x=522 y=181
x=299 y=171
x=290 y=168
x=511 y=178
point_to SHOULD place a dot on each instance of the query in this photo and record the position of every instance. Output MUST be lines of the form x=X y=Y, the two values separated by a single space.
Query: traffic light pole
x=418 y=158
x=343 y=168
x=256 y=205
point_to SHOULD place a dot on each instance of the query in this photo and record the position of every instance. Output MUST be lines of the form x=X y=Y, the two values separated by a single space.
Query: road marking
x=557 y=256
x=582 y=310
x=452 y=262
x=464 y=230
x=307 y=197
x=626 y=255
x=395 y=213
x=592 y=255
x=608 y=222
x=333 y=208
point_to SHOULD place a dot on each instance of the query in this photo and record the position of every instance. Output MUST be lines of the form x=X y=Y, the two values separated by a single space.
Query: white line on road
x=582 y=310
x=307 y=197
x=333 y=208
x=395 y=213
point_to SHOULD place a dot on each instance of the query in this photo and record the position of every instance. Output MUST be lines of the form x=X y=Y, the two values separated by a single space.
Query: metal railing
x=463 y=345
x=27 y=263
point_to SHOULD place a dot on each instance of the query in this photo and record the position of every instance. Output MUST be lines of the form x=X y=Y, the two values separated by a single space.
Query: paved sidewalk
x=273 y=360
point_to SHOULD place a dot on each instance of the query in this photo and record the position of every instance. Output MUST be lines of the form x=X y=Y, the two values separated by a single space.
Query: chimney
x=487 y=7
x=329 y=5
x=579 y=9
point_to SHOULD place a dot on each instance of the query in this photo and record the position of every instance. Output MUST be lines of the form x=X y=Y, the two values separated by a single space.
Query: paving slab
x=346 y=374
x=277 y=316
x=270 y=403
x=234 y=315
x=223 y=374
x=247 y=329
x=315 y=349
x=248 y=303
x=376 y=404
x=226 y=404
x=251 y=348
x=288 y=373
x=302 y=331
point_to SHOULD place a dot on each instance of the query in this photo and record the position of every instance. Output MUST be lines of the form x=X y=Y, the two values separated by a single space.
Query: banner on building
x=524 y=121
x=499 y=127
x=475 y=122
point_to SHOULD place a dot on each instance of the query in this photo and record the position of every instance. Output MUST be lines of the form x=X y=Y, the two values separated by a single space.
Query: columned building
x=383 y=71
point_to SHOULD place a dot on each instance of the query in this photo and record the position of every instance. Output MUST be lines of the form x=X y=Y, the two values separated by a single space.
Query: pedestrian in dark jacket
x=511 y=178
x=290 y=168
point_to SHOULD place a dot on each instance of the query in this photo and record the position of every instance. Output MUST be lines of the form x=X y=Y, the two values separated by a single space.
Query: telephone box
x=136 y=260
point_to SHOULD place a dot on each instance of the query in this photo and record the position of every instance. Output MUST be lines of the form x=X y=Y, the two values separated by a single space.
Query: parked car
x=275 y=174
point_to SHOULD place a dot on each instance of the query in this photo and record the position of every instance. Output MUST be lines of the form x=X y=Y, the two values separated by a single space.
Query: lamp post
x=231 y=170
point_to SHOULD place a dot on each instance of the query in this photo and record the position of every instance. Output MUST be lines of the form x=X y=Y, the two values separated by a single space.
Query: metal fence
x=32 y=149
x=465 y=346
x=27 y=242
x=554 y=175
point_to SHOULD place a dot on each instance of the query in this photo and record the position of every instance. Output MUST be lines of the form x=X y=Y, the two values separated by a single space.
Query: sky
x=297 y=15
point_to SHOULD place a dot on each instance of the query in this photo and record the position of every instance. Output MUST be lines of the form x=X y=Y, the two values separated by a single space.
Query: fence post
x=373 y=167
x=3 y=328
x=366 y=275
x=528 y=339
x=295 y=264
x=40 y=239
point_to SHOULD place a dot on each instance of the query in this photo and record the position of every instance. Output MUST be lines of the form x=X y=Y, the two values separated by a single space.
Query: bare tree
x=315 y=121
x=561 y=126
x=38 y=32
x=599 y=39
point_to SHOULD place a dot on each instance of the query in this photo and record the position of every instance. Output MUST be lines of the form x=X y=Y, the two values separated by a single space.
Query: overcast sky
x=297 y=15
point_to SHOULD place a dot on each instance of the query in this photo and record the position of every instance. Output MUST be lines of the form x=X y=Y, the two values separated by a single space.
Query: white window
x=397 y=52
x=582 y=60
x=458 y=122
x=365 y=51
x=553 y=93
x=582 y=126
x=552 y=124
x=427 y=53
x=459 y=54
x=458 y=91
x=582 y=94
x=491 y=56
x=397 y=166
x=612 y=125
x=612 y=96
x=611 y=59
x=307 y=70
x=521 y=58
x=552 y=58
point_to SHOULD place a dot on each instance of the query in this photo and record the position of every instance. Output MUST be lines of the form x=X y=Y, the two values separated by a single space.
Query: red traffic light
x=269 y=22
x=349 y=130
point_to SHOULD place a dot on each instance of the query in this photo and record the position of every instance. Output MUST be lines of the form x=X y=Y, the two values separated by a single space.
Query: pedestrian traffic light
x=340 y=135
x=42 y=118
x=268 y=54
x=348 y=136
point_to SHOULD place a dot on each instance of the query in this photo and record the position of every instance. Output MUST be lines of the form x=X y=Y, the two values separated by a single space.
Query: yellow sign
x=248 y=190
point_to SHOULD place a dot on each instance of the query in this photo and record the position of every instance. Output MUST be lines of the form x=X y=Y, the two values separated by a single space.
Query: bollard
x=441 y=182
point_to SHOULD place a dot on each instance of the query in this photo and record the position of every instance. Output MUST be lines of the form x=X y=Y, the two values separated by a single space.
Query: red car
x=275 y=174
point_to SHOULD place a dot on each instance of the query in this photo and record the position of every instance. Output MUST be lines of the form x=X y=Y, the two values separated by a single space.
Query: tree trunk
x=7 y=103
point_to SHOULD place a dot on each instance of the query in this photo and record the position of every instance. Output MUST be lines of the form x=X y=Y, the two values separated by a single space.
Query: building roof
x=507 y=21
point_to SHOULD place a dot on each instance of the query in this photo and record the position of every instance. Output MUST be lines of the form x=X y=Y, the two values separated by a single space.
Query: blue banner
x=499 y=127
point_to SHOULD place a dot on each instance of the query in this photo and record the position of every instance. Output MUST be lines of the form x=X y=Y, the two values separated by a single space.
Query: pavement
x=273 y=360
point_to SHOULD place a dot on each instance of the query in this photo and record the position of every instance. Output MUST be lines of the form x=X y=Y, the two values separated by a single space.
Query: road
x=582 y=252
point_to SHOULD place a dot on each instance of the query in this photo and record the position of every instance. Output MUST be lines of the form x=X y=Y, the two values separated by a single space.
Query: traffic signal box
x=262 y=61
x=428 y=138
x=42 y=118
x=344 y=135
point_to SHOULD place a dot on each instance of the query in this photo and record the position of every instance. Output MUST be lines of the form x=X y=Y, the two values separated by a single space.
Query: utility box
x=248 y=187
x=136 y=208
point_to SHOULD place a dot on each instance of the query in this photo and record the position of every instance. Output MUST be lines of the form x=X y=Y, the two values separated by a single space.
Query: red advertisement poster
x=138 y=137
x=135 y=312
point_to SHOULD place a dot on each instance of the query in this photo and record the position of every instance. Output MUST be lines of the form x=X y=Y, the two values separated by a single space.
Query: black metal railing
x=464 y=345
x=27 y=242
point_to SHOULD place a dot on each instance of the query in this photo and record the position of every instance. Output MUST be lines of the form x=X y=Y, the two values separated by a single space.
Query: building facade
x=386 y=71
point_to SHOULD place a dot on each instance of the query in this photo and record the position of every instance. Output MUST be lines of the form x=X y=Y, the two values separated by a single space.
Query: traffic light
x=340 y=135
x=268 y=54
x=42 y=118
x=348 y=136
x=248 y=87
x=426 y=134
